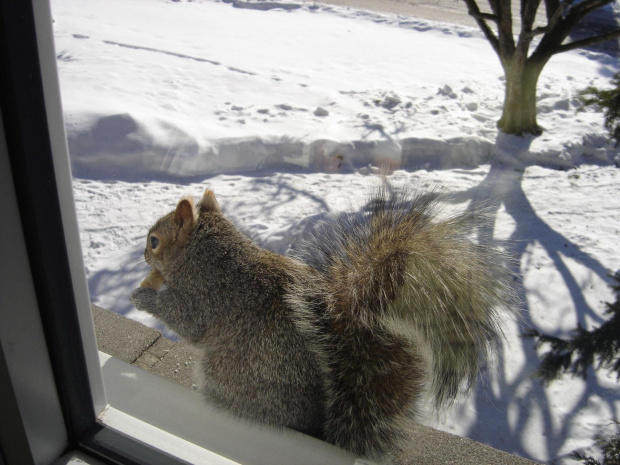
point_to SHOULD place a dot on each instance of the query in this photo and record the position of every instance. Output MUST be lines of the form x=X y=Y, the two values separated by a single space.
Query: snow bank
x=119 y=147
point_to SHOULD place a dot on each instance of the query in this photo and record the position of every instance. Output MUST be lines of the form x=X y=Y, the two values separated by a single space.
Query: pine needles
x=599 y=347
x=609 y=102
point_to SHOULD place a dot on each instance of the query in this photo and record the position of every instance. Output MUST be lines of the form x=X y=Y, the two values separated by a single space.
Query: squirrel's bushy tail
x=411 y=305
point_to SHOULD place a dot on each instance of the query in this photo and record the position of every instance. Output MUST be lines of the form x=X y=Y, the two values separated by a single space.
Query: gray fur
x=341 y=341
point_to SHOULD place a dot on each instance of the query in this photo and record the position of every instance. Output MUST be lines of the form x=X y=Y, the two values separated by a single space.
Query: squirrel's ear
x=208 y=202
x=184 y=214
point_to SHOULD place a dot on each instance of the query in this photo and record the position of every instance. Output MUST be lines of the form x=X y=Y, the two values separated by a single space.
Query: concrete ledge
x=143 y=347
x=149 y=350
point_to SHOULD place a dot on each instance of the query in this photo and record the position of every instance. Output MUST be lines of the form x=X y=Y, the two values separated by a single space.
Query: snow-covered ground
x=288 y=112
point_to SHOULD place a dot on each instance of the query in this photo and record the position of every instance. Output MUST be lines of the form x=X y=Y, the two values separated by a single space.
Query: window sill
x=177 y=420
x=159 y=407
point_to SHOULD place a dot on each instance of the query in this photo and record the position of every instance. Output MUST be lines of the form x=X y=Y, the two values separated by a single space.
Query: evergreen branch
x=609 y=101
x=584 y=348
x=610 y=447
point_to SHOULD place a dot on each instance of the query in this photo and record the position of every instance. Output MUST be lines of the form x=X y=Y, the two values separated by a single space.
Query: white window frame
x=62 y=401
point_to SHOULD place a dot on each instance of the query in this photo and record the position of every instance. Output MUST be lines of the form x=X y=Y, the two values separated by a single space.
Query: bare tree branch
x=520 y=70
x=495 y=7
x=586 y=42
x=551 y=7
x=558 y=13
x=581 y=10
x=551 y=42
x=503 y=11
x=538 y=31
x=552 y=19
x=528 y=14
x=474 y=12
x=484 y=16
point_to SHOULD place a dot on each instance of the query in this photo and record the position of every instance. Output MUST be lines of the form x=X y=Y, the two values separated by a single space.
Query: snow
x=287 y=113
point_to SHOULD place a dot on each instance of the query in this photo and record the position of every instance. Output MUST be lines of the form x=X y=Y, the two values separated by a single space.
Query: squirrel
x=345 y=339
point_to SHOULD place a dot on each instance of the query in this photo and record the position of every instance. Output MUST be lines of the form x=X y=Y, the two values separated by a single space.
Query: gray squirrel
x=375 y=313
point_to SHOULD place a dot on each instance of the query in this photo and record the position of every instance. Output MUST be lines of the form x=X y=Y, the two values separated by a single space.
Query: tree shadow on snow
x=284 y=192
x=526 y=398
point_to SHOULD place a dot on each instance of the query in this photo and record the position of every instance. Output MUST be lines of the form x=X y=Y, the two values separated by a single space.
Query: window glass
x=292 y=110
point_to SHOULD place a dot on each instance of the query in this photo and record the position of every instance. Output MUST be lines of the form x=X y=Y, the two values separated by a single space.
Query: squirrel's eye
x=154 y=242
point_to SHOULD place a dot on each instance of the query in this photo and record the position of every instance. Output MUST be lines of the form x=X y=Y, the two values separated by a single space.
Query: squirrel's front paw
x=144 y=298
x=154 y=280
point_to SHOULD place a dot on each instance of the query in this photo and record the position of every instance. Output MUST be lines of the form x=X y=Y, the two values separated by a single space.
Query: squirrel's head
x=170 y=234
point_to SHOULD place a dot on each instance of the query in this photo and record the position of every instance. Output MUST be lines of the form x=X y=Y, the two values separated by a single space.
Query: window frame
x=51 y=372
x=37 y=193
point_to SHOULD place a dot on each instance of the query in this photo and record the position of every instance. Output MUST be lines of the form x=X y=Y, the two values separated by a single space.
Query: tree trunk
x=519 y=112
